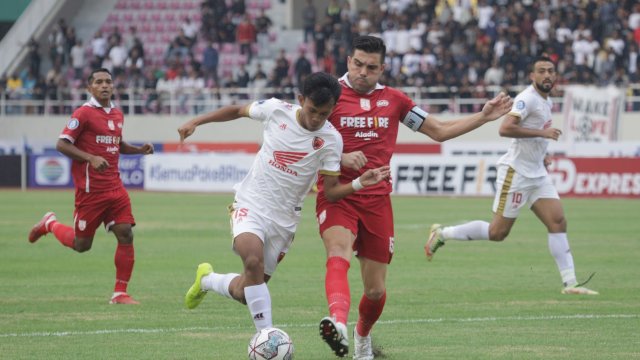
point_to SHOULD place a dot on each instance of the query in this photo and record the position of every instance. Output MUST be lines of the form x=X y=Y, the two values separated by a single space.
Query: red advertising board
x=596 y=177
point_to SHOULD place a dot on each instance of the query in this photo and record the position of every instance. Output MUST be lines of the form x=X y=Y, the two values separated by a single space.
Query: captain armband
x=414 y=118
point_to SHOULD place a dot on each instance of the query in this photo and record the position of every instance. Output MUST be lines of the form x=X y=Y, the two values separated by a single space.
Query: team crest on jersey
x=111 y=125
x=82 y=224
x=73 y=124
x=365 y=104
x=318 y=142
x=520 y=105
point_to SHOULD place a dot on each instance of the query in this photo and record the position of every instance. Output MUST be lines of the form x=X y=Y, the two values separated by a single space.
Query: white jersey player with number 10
x=522 y=180
x=298 y=143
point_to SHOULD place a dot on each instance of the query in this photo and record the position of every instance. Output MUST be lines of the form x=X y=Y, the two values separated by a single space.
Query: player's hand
x=496 y=107
x=99 y=163
x=374 y=176
x=552 y=133
x=146 y=149
x=547 y=161
x=353 y=160
x=186 y=130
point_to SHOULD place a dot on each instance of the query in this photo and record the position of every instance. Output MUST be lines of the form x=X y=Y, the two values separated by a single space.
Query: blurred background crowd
x=197 y=52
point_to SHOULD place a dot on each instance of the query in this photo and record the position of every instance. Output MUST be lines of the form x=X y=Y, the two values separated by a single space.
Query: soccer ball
x=270 y=344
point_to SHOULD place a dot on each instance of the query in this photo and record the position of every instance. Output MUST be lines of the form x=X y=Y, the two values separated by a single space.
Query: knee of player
x=498 y=234
x=81 y=246
x=558 y=225
x=374 y=293
x=254 y=267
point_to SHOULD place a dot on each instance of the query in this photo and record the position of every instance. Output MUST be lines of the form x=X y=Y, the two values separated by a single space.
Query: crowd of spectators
x=457 y=46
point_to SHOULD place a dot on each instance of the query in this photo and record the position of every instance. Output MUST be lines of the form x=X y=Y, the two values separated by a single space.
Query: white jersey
x=526 y=155
x=288 y=162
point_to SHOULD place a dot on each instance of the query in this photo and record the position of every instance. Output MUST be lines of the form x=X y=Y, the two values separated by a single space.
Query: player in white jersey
x=522 y=179
x=298 y=143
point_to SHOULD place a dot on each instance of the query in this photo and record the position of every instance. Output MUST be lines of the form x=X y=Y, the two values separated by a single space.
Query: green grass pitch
x=475 y=300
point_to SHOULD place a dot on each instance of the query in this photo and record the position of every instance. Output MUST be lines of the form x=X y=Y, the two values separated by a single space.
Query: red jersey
x=369 y=123
x=94 y=130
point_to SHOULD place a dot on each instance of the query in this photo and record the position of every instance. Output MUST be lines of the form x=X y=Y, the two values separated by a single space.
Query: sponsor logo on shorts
x=82 y=224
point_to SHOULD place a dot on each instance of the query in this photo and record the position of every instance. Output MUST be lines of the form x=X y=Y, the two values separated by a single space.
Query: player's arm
x=334 y=190
x=126 y=148
x=444 y=130
x=511 y=128
x=70 y=150
x=225 y=113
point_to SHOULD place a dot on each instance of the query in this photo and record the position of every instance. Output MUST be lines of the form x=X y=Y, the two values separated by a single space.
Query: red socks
x=336 y=285
x=64 y=233
x=124 y=259
x=370 y=311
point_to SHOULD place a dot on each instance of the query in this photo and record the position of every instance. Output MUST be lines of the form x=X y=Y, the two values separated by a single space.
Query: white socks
x=259 y=303
x=474 y=230
x=257 y=297
x=218 y=283
x=559 y=249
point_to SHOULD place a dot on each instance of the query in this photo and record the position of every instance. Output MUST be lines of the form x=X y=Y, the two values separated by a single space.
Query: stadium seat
x=156 y=17
x=142 y=17
x=169 y=16
x=162 y=5
x=149 y=5
x=135 y=5
x=122 y=4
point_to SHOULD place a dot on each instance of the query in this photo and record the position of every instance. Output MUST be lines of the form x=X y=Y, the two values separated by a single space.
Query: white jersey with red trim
x=288 y=162
x=526 y=155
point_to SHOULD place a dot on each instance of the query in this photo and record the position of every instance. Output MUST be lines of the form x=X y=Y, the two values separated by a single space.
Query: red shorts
x=370 y=219
x=108 y=207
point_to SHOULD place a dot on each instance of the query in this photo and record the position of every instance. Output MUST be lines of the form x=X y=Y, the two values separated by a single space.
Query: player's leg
x=119 y=220
x=250 y=287
x=507 y=203
x=371 y=305
x=337 y=225
x=374 y=249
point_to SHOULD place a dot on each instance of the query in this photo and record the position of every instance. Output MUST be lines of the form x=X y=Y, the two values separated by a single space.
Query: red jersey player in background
x=93 y=140
x=368 y=115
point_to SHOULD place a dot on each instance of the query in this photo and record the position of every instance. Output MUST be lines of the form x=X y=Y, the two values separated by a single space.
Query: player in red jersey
x=93 y=140
x=368 y=115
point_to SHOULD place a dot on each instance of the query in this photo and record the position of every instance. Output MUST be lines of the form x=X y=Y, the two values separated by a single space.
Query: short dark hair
x=321 y=88
x=90 y=79
x=541 y=58
x=369 y=44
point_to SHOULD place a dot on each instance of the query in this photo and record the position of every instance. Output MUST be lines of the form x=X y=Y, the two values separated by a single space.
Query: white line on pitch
x=403 y=321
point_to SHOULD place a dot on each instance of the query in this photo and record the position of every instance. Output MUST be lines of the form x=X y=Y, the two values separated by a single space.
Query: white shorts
x=276 y=239
x=513 y=191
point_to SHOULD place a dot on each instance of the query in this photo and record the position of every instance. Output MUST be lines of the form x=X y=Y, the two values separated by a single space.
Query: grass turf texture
x=475 y=300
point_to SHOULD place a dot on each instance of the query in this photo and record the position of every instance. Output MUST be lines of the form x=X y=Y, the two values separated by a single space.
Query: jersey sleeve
x=75 y=126
x=520 y=106
x=331 y=162
x=260 y=110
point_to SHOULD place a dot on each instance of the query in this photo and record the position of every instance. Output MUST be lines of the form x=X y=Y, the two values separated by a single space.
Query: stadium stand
x=449 y=52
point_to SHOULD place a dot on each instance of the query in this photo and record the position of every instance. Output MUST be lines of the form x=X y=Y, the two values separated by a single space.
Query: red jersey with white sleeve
x=369 y=123
x=98 y=131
